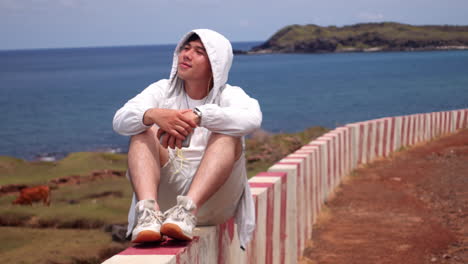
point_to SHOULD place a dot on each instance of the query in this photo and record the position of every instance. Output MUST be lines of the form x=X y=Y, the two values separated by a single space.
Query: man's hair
x=193 y=37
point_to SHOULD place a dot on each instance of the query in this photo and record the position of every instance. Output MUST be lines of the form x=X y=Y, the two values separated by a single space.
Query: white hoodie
x=227 y=110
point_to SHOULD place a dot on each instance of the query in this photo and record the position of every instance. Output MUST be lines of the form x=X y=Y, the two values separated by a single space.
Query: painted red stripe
x=411 y=131
x=465 y=119
x=271 y=174
x=377 y=138
x=424 y=127
x=222 y=228
x=450 y=117
x=416 y=129
x=329 y=166
x=345 y=152
x=283 y=209
x=392 y=134
x=447 y=122
x=283 y=213
x=169 y=247
x=261 y=184
x=431 y=125
x=465 y=122
x=407 y=136
x=370 y=129
x=403 y=130
x=340 y=158
x=419 y=130
x=447 y=119
x=361 y=143
x=385 y=142
x=422 y=119
x=269 y=223
x=441 y=123
x=442 y=127
x=334 y=159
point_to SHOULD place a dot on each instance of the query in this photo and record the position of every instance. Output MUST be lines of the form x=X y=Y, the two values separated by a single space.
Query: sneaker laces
x=150 y=216
x=179 y=213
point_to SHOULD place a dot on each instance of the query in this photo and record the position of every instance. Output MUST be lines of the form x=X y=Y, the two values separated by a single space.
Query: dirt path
x=412 y=208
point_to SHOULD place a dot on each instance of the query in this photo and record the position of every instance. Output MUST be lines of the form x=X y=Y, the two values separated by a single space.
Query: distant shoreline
x=351 y=50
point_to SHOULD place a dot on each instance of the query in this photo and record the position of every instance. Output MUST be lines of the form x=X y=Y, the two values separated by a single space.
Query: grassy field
x=70 y=230
x=15 y=171
x=49 y=245
x=90 y=205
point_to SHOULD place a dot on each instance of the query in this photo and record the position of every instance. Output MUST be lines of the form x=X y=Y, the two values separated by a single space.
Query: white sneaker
x=180 y=221
x=148 y=227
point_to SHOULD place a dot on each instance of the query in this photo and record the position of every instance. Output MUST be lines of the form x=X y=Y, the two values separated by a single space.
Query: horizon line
x=107 y=46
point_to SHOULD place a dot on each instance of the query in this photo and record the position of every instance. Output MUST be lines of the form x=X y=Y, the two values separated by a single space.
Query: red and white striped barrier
x=290 y=195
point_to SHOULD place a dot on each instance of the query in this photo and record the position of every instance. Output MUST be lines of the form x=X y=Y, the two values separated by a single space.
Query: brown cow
x=34 y=194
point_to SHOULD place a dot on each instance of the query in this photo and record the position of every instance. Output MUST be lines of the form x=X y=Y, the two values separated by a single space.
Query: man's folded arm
x=237 y=116
x=128 y=120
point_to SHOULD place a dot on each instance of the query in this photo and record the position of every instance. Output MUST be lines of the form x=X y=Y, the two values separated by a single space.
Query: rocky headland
x=368 y=37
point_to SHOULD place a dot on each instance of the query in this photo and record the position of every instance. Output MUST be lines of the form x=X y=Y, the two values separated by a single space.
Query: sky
x=32 y=24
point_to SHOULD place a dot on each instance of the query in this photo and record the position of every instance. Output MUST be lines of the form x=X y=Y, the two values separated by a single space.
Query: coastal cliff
x=368 y=37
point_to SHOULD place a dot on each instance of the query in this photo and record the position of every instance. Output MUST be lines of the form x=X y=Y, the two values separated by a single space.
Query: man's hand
x=170 y=140
x=192 y=116
x=175 y=122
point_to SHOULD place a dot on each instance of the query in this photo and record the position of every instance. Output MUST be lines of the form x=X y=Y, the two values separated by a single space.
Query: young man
x=204 y=183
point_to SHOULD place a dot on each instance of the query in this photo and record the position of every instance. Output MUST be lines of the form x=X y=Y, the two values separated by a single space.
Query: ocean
x=57 y=101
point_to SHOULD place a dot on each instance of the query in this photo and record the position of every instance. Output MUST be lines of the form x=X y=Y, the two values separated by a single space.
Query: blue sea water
x=63 y=100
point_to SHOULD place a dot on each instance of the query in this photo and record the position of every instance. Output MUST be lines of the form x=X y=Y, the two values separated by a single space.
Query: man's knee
x=149 y=140
x=148 y=135
x=229 y=141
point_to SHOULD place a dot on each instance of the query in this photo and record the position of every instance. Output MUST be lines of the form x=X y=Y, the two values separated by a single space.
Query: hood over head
x=220 y=55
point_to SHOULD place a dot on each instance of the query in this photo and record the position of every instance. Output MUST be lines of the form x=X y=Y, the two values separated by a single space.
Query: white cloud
x=368 y=16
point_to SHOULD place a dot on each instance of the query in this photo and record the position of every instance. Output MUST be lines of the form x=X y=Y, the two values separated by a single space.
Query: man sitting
x=203 y=182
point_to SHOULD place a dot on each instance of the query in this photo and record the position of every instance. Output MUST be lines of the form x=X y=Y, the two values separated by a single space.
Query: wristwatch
x=198 y=113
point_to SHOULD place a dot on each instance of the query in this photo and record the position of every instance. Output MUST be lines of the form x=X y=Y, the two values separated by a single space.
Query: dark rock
x=118 y=233
x=73 y=201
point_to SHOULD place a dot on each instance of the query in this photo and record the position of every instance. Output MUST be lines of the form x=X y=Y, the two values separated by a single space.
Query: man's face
x=193 y=62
